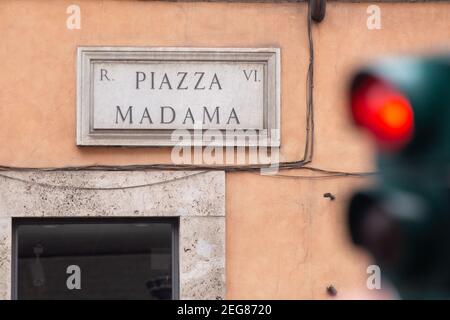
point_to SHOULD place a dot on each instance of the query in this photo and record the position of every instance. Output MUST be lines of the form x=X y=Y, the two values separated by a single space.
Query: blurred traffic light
x=383 y=110
x=404 y=221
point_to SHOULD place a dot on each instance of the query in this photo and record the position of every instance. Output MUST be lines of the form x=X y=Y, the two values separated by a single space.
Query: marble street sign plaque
x=139 y=96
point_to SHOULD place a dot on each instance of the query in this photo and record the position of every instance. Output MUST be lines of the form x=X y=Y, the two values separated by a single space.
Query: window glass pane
x=94 y=260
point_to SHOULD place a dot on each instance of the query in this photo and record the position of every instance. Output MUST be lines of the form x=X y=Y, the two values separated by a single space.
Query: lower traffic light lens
x=372 y=227
x=383 y=110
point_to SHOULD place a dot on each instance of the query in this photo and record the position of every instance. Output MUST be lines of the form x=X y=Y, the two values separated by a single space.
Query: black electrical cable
x=309 y=149
x=58 y=186
x=326 y=174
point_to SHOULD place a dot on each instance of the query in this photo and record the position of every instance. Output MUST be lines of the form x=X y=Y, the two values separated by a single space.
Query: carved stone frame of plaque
x=89 y=135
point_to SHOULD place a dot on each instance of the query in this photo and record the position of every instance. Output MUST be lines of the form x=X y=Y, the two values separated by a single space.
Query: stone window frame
x=197 y=198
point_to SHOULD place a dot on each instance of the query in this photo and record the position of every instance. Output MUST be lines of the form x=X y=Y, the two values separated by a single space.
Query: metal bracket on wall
x=318 y=9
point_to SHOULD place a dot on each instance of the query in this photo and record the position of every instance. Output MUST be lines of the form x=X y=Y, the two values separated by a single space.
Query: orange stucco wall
x=284 y=240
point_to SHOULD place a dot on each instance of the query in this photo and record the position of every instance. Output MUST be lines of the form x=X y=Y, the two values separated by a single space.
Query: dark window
x=88 y=258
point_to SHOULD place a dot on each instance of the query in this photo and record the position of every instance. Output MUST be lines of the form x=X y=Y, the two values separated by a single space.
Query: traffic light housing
x=404 y=221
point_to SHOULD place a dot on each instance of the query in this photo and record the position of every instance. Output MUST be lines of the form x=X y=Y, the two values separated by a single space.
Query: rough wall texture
x=284 y=240
x=188 y=193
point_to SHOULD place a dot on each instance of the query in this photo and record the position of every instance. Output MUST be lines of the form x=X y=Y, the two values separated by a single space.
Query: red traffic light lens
x=384 y=111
